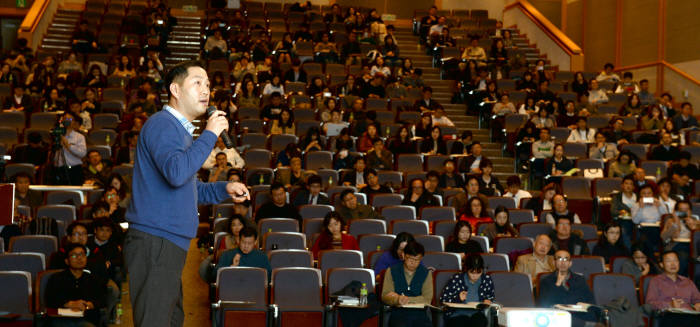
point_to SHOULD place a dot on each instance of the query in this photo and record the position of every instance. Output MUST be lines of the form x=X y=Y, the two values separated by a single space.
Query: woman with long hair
x=434 y=144
x=284 y=124
x=402 y=143
x=544 y=201
x=460 y=241
x=332 y=236
x=610 y=243
x=470 y=285
x=475 y=212
x=424 y=126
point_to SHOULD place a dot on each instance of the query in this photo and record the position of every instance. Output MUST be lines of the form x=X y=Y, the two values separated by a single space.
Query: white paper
x=70 y=313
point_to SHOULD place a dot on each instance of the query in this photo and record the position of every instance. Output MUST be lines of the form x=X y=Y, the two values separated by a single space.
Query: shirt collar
x=189 y=127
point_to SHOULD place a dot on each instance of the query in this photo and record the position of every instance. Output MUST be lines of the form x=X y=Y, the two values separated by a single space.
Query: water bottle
x=388 y=131
x=658 y=173
x=262 y=179
x=379 y=247
x=330 y=181
x=363 y=295
x=118 y=318
x=107 y=139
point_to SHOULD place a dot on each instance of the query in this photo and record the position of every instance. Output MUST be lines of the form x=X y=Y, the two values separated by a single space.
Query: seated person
x=470 y=163
x=610 y=244
x=684 y=168
x=670 y=290
x=311 y=194
x=111 y=251
x=292 y=176
x=408 y=282
x=665 y=151
x=602 y=149
x=76 y=288
x=621 y=208
x=560 y=210
x=32 y=198
x=219 y=172
x=539 y=260
x=623 y=166
x=273 y=109
x=232 y=156
x=489 y=184
x=332 y=236
x=563 y=239
x=460 y=241
x=642 y=263
x=378 y=157
x=95 y=169
x=559 y=164
x=566 y=287
x=513 y=184
x=350 y=210
x=232 y=239
x=356 y=177
x=277 y=207
x=648 y=209
x=501 y=227
x=373 y=186
x=680 y=225
x=475 y=212
x=471 y=285
x=247 y=253
x=449 y=179
x=432 y=185
x=395 y=254
x=417 y=196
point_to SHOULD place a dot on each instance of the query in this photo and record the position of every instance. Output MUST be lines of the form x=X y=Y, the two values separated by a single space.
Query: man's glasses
x=78 y=255
x=563 y=259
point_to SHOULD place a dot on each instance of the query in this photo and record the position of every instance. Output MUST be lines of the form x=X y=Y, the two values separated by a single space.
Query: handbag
x=593 y=173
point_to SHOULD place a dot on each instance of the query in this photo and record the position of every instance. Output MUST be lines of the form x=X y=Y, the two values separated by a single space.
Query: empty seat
x=383 y=200
x=639 y=150
x=519 y=216
x=655 y=168
x=318 y=160
x=259 y=176
x=17 y=291
x=290 y=258
x=574 y=150
x=607 y=287
x=590 y=164
x=391 y=178
x=267 y=225
x=587 y=265
x=444 y=228
x=531 y=230
x=315 y=210
x=496 y=201
x=243 y=295
x=398 y=212
x=62 y=212
x=104 y=120
x=283 y=241
x=339 y=278
x=12 y=119
x=437 y=213
x=279 y=141
x=366 y=226
x=507 y=245
x=604 y=186
x=431 y=243
x=45 y=120
x=495 y=262
x=329 y=259
x=65 y=197
x=102 y=137
x=560 y=134
x=297 y=294
x=576 y=187
x=442 y=260
x=255 y=140
x=124 y=170
x=255 y=158
x=413 y=227
x=375 y=242
x=12 y=169
x=512 y=289
x=409 y=162
x=589 y=231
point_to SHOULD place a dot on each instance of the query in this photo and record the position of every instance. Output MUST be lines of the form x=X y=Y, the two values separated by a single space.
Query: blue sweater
x=165 y=186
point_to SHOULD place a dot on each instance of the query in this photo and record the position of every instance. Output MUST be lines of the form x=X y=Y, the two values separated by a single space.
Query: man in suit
x=356 y=177
x=312 y=193
x=665 y=151
x=685 y=119
x=296 y=74
x=427 y=103
x=470 y=163
x=19 y=101
x=538 y=261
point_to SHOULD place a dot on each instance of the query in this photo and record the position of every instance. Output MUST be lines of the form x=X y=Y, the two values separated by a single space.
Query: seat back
x=375 y=242
x=391 y=178
x=482 y=240
x=243 y=284
x=46 y=244
x=519 y=216
x=413 y=227
x=587 y=265
x=442 y=261
x=279 y=141
x=329 y=259
x=17 y=290
x=655 y=167
x=576 y=187
x=513 y=289
x=531 y=230
x=495 y=201
x=65 y=197
x=42 y=280
x=507 y=245
x=258 y=158
x=267 y=225
x=398 y=212
x=437 y=213
x=62 y=212
x=444 y=228
x=366 y=226
x=284 y=241
x=589 y=231
x=27 y=261
x=298 y=288
x=338 y=278
x=290 y=258
x=495 y=262
x=575 y=150
x=440 y=280
x=319 y=160
x=315 y=210
x=607 y=287
x=409 y=162
x=431 y=243
x=590 y=164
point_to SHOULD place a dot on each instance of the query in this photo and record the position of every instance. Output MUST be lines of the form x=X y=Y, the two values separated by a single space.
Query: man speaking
x=162 y=214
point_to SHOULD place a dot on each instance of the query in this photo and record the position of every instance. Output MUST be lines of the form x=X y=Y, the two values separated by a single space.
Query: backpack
x=43 y=226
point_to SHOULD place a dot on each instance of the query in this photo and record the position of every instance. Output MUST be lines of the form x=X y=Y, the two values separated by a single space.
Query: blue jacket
x=576 y=290
x=165 y=188
x=255 y=258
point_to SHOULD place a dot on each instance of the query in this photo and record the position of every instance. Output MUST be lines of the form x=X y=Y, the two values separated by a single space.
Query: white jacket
x=577 y=137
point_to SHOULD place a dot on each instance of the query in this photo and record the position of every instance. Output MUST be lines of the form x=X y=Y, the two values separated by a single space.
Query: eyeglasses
x=76 y=234
x=78 y=255
x=109 y=196
x=413 y=259
x=563 y=259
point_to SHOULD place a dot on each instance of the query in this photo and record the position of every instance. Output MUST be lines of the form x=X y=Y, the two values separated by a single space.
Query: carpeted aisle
x=195 y=291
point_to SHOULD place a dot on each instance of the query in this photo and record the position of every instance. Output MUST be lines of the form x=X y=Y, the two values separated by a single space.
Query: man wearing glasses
x=566 y=287
x=408 y=283
x=76 y=288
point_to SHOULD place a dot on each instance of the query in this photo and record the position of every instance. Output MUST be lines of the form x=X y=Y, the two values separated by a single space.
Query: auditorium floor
x=196 y=299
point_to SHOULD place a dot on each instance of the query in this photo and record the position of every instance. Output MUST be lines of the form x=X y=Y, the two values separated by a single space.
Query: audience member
x=277 y=207
x=470 y=285
x=642 y=263
x=395 y=254
x=563 y=239
x=350 y=210
x=405 y=283
x=417 y=196
x=460 y=241
x=311 y=194
x=449 y=179
x=669 y=290
x=501 y=227
x=610 y=244
x=566 y=287
x=246 y=254
x=539 y=261
x=332 y=236
x=560 y=210
x=373 y=186
x=513 y=185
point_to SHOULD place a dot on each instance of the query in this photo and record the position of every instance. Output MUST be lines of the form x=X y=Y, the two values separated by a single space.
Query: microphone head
x=211 y=110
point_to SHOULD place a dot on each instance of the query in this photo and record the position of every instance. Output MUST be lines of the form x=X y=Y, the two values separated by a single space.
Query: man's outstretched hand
x=238 y=192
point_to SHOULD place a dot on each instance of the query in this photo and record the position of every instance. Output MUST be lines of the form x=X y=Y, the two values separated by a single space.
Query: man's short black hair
x=102 y=222
x=686 y=104
x=644 y=81
x=627 y=177
x=444 y=163
x=314 y=179
x=21 y=174
x=92 y=151
x=627 y=74
x=73 y=225
x=248 y=232
x=609 y=65
x=432 y=173
x=413 y=248
x=558 y=218
x=71 y=246
x=179 y=72
x=370 y=171
x=345 y=193
x=275 y=95
x=276 y=186
x=667 y=252
x=684 y=155
x=428 y=89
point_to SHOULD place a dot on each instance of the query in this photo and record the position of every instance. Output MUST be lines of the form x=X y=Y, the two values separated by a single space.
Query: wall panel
x=599 y=43
x=550 y=9
x=682 y=30
x=639 y=31
x=574 y=21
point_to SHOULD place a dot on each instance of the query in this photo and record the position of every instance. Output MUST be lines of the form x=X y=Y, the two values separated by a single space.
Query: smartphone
x=326 y=94
x=160 y=22
x=648 y=200
x=6 y=157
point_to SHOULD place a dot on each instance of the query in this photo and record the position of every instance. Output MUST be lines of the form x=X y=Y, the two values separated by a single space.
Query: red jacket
x=348 y=243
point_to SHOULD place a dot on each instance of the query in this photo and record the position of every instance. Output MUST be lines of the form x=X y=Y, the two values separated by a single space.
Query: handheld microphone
x=224 y=135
